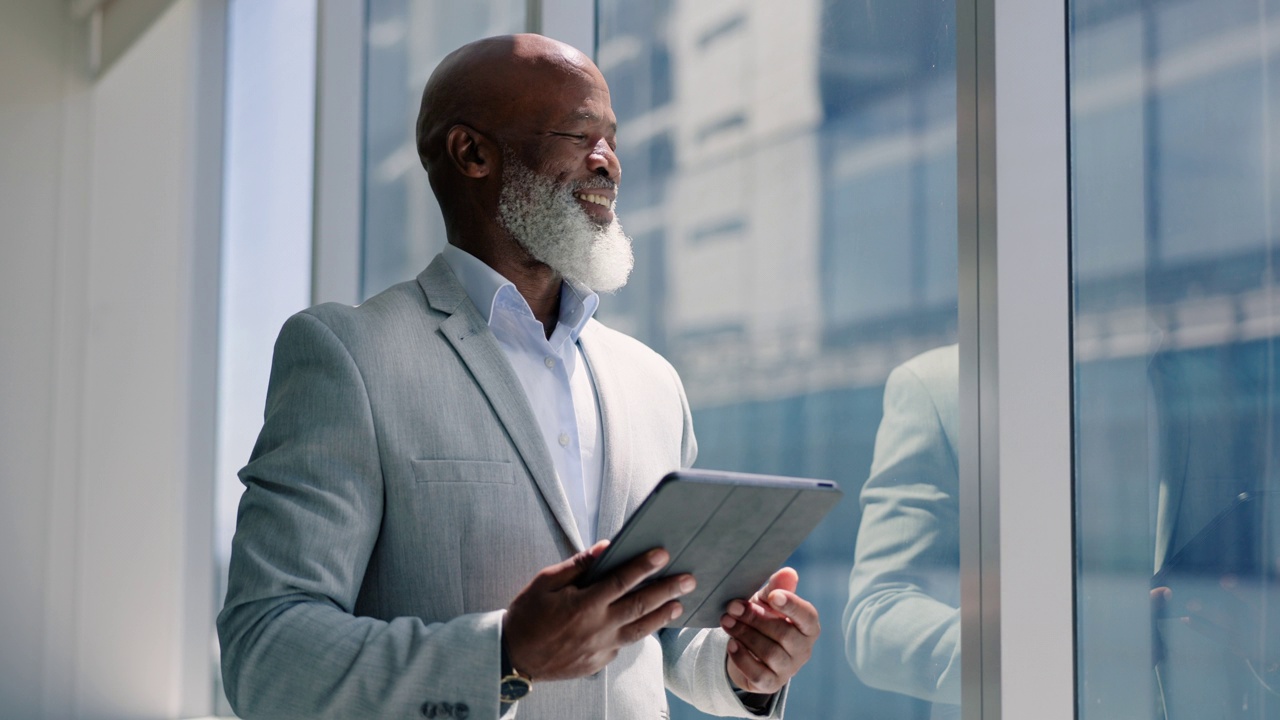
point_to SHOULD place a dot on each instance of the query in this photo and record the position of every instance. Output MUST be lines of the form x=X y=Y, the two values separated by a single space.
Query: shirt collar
x=488 y=290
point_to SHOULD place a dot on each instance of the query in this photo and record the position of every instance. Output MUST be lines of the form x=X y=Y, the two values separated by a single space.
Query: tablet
x=730 y=530
x=1237 y=546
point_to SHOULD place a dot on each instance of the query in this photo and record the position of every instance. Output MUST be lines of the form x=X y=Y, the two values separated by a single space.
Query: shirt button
x=564 y=439
x=550 y=362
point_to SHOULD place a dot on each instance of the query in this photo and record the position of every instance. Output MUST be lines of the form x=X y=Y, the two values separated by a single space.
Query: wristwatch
x=515 y=684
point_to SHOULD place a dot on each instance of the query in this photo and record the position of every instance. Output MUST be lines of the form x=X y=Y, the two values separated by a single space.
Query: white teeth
x=597 y=199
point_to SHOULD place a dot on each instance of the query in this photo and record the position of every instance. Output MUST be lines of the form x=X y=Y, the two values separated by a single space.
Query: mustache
x=596 y=182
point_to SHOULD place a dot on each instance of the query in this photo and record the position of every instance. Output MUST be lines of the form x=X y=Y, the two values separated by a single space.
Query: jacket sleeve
x=307 y=523
x=902 y=623
x=694 y=659
x=695 y=672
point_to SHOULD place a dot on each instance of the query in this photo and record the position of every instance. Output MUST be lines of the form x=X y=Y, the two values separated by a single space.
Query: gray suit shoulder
x=940 y=364
x=399 y=306
x=938 y=370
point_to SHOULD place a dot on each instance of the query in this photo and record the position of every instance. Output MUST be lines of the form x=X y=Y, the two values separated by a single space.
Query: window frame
x=1017 y=606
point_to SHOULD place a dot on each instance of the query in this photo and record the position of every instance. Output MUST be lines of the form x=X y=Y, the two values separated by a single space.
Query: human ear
x=469 y=151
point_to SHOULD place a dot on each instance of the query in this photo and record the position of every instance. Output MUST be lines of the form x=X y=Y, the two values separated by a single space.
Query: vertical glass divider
x=570 y=21
x=971 y=636
x=533 y=16
x=1015 y=363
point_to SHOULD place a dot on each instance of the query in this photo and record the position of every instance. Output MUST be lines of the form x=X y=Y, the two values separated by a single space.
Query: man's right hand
x=555 y=630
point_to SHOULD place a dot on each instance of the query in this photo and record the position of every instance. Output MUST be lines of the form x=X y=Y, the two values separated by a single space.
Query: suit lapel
x=615 y=430
x=466 y=331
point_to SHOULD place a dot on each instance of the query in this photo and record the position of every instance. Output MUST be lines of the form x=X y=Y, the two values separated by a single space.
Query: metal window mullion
x=1016 y=500
x=199 y=606
x=971 y=574
x=570 y=21
x=339 y=151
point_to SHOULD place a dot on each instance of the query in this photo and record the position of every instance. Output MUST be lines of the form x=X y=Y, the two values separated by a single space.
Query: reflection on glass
x=902 y=623
x=789 y=179
x=405 y=41
x=1175 y=135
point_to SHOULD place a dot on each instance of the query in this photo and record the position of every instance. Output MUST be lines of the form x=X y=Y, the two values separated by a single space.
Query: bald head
x=494 y=85
x=517 y=136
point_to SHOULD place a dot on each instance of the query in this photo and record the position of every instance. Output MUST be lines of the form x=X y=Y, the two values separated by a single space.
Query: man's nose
x=604 y=162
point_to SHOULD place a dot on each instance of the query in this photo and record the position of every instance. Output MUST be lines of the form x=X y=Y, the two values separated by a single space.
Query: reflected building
x=404 y=41
x=1176 y=317
x=790 y=176
x=789 y=180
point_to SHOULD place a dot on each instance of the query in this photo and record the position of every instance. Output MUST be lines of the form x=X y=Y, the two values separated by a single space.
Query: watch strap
x=514 y=685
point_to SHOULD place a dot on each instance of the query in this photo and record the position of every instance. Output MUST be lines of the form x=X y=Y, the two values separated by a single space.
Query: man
x=430 y=458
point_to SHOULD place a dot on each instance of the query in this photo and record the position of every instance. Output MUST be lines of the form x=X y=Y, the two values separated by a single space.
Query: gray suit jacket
x=400 y=494
x=902 y=623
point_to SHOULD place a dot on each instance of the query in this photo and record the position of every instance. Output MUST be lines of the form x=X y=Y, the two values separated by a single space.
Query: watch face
x=514 y=688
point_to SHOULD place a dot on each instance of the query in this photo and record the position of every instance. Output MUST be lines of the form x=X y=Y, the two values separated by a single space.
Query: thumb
x=785 y=579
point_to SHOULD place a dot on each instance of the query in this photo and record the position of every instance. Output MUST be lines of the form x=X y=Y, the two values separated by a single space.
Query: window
x=405 y=40
x=1177 y=367
x=789 y=180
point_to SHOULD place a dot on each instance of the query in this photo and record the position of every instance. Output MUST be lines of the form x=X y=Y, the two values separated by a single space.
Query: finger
x=1230 y=583
x=623 y=580
x=650 y=623
x=755 y=675
x=565 y=572
x=770 y=624
x=754 y=610
x=773 y=641
x=785 y=613
x=1160 y=597
x=775 y=628
x=1226 y=636
x=638 y=603
x=802 y=614
x=784 y=579
x=1217 y=609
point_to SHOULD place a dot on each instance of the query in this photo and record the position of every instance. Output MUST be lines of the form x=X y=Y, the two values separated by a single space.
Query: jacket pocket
x=463 y=471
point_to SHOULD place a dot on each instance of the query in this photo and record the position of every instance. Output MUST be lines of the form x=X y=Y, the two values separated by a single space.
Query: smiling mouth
x=600 y=200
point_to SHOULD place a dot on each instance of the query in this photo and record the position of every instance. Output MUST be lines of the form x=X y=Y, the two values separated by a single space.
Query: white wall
x=38 y=94
x=109 y=204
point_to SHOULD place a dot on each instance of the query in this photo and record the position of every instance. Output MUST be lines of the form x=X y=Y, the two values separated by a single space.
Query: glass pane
x=790 y=184
x=406 y=40
x=1175 y=136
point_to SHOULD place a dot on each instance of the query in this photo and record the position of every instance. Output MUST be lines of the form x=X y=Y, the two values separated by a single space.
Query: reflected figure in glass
x=902 y=623
x=1175 y=165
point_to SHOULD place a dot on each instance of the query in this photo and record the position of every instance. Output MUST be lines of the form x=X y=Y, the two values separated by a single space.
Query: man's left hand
x=771 y=635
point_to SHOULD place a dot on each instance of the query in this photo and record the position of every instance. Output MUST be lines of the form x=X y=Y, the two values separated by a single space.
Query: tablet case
x=730 y=530
x=1224 y=595
x=1228 y=573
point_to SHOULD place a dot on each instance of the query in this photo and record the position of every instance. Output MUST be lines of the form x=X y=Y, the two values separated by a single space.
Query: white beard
x=547 y=221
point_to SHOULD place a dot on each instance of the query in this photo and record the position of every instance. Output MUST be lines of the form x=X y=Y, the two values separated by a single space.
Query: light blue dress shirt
x=554 y=374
